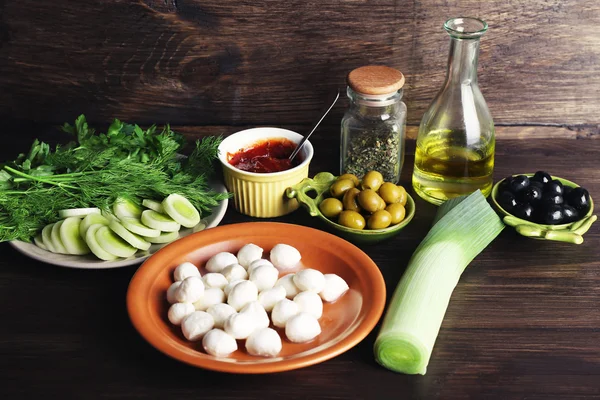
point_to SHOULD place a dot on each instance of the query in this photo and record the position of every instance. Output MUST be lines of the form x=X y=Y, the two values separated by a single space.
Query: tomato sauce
x=270 y=155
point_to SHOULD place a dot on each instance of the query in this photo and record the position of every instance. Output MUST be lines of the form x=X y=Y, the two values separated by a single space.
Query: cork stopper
x=375 y=80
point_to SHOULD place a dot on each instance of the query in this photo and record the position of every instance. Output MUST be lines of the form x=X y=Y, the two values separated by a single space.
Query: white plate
x=91 y=262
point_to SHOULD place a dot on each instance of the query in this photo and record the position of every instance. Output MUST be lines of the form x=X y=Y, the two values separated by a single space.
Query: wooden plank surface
x=522 y=322
x=273 y=63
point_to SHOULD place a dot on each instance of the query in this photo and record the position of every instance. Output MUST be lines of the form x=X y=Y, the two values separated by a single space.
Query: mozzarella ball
x=310 y=279
x=211 y=297
x=243 y=293
x=219 y=261
x=178 y=311
x=283 y=311
x=335 y=287
x=302 y=327
x=190 y=290
x=218 y=343
x=195 y=325
x=215 y=280
x=230 y=286
x=171 y=292
x=309 y=302
x=287 y=282
x=220 y=313
x=268 y=298
x=264 y=277
x=284 y=256
x=235 y=272
x=185 y=270
x=264 y=342
x=249 y=253
x=258 y=263
x=258 y=313
x=240 y=326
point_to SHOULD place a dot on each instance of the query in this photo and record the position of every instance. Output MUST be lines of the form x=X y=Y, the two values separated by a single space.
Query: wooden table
x=523 y=322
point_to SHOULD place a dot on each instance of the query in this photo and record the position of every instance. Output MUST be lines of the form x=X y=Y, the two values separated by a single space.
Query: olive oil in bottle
x=447 y=168
x=456 y=141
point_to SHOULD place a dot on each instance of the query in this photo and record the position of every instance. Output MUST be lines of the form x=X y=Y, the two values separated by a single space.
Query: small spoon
x=299 y=147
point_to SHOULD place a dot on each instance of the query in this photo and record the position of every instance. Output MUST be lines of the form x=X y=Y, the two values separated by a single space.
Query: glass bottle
x=455 y=144
x=373 y=127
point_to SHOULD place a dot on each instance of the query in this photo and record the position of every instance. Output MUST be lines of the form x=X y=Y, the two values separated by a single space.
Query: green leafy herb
x=93 y=171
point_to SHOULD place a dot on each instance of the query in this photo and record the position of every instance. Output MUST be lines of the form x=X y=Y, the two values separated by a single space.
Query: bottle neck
x=462 y=61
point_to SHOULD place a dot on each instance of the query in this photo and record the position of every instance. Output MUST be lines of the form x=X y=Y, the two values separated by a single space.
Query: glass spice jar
x=373 y=128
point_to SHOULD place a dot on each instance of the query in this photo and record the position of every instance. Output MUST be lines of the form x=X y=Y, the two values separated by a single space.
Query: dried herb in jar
x=377 y=150
x=372 y=130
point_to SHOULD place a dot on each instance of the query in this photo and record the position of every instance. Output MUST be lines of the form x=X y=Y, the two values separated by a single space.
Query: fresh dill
x=95 y=169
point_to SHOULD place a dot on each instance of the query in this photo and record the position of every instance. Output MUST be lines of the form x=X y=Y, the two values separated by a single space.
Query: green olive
x=382 y=204
x=372 y=180
x=352 y=177
x=397 y=211
x=331 y=207
x=390 y=193
x=351 y=219
x=369 y=200
x=403 y=196
x=349 y=200
x=339 y=187
x=379 y=220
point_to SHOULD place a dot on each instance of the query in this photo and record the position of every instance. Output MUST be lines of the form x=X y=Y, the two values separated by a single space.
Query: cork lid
x=375 y=80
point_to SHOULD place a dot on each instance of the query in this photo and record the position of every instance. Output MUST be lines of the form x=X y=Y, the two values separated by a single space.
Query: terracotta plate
x=344 y=323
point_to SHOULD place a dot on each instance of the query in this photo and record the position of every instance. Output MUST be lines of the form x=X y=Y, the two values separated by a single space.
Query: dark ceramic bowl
x=319 y=185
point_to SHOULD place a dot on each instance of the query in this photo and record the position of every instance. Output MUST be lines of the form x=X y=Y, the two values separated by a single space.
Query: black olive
x=580 y=199
x=552 y=199
x=542 y=177
x=566 y=191
x=536 y=184
x=523 y=211
x=553 y=215
x=554 y=187
x=570 y=214
x=532 y=194
x=507 y=201
x=505 y=184
x=518 y=183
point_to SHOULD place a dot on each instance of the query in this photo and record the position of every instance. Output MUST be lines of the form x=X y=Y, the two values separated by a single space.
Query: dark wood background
x=248 y=63
x=524 y=320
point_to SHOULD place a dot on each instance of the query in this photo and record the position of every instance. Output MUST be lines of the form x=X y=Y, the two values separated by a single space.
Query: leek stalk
x=463 y=227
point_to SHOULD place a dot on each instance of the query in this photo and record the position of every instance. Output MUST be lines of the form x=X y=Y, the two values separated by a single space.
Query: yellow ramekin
x=262 y=195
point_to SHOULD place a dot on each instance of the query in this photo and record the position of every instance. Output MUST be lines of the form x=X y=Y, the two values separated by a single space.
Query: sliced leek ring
x=135 y=225
x=153 y=205
x=165 y=237
x=134 y=240
x=47 y=238
x=78 y=212
x=162 y=222
x=89 y=220
x=90 y=239
x=125 y=208
x=56 y=240
x=112 y=243
x=181 y=210
x=39 y=242
x=70 y=237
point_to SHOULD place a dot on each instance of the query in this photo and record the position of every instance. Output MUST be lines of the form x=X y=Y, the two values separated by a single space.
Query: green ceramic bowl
x=319 y=186
x=570 y=233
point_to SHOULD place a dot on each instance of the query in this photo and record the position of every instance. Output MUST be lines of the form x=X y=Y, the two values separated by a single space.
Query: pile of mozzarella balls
x=233 y=300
